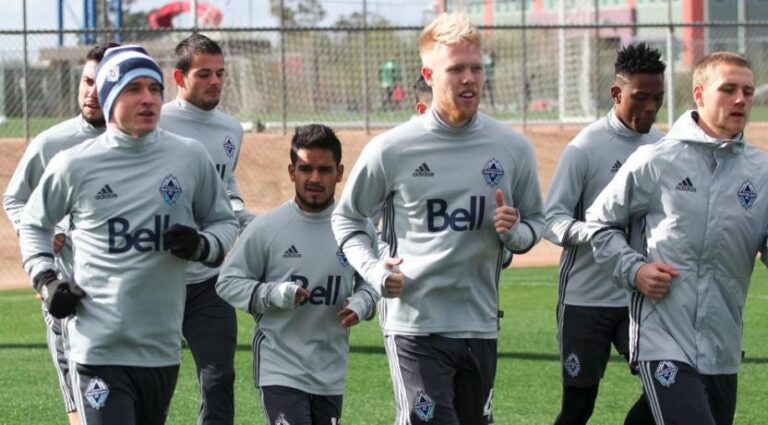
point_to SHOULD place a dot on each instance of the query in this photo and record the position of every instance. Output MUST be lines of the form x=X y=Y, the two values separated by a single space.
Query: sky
x=41 y=14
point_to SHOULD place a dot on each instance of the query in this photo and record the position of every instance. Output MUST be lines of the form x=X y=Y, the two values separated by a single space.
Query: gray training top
x=586 y=166
x=437 y=186
x=122 y=193
x=30 y=169
x=222 y=137
x=303 y=348
x=705 y=205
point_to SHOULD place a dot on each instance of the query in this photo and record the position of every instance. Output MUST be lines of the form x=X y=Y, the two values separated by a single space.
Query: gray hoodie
x=705 y=206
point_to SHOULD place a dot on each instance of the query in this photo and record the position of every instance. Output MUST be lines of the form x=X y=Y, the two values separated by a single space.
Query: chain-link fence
x=355 y=78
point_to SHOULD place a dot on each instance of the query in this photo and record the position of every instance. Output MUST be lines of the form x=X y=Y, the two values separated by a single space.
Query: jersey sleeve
x=565 y=195
x=213 y=213
x=48 y=204
x=526 y=196
x=625 y=200
x=25 y=178
x=363 y=196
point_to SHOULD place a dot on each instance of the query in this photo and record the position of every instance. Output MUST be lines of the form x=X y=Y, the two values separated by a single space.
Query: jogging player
x=210 y=324
x=288 y=271
x=593 y=312
x=699 y=193
x=136 y=196
x=87 y=125
x=456 y=187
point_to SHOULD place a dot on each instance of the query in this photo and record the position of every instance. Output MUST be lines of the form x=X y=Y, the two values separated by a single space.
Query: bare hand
x=504 y=217
x=301 y=295
x=348 y=317
x=655 y=279
x=58 y=242
x=396 y=281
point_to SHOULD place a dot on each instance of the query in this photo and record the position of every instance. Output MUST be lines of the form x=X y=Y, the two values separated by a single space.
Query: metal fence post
x=596 y=75
x=283 y=82
x=25 y=73
x=670 y=66
x=366 y=87
x=526 y=86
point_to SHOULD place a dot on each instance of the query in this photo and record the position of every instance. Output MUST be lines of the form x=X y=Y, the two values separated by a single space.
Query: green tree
x=298 y=13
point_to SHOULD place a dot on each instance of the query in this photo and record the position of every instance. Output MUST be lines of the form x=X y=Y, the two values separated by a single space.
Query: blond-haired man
x=700 y=192
x=438 y=177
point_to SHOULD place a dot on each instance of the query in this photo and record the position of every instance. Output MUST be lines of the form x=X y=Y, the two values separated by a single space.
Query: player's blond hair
x=703 y=70
x=448 y=28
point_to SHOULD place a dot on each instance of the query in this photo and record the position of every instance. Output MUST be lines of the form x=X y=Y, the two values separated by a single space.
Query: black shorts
x=440 y=380
x=678 y=394
x=285 y=405
x=586 y=335
x=123 y=395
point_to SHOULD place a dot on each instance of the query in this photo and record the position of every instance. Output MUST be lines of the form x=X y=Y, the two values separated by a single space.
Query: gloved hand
x=60 y=297
x=185 y=242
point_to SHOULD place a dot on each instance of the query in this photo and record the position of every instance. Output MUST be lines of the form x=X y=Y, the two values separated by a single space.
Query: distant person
x=700 y=192
x=423 y=93
x=289 y=273
x=489 y=62
x=457 y=186
x=87 y=125
x=389 y=80
x=592 y=310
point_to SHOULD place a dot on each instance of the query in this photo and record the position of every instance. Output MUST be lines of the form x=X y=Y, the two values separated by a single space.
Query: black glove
x=60 y=297
x=186 y=243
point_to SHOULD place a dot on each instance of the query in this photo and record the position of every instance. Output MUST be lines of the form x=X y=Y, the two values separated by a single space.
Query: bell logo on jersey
x=320 y=295
x=459 y=220
x=121 y=239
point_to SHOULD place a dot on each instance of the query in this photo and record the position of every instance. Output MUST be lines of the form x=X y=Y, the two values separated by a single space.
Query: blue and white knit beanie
x=120 y=66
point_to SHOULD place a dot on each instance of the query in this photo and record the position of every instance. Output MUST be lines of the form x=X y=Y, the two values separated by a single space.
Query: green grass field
x=527 y=389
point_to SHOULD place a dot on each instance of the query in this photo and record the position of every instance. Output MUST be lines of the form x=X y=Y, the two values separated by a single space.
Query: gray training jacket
x=705 y=205
x=586 y=166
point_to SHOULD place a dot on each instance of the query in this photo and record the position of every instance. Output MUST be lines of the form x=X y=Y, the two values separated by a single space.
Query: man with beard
x=210 y=325
x=89 y=124
x=593 y=312
x=288 y=272
x=700 y=194
x=438 y=177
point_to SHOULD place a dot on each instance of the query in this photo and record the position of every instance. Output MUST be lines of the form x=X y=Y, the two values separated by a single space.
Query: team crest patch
x=423 y=406
x=747 y=195
x=281 y=420
x=170 y=189
x=342 y=258
x=666 y=373
x=97 y=393
x=493 y=172
x=229 y=147
x=572 y=365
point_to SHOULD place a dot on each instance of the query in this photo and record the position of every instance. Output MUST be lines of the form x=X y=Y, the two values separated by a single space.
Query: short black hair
x=315 y=136
x=638 y=58
x=422 y=90
x=97 y=52
x=192 y=45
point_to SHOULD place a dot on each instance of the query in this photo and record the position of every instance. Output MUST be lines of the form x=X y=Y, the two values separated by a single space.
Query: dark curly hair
x=638 y=58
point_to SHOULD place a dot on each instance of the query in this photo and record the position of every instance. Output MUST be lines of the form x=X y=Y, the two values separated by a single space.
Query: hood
x=686 y=129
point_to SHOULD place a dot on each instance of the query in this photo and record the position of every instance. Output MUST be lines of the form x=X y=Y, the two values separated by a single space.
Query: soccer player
x=288 y=271
x=592 y=312
x=438 y=177
x=136 y=196
x=699 y=193
x=88 y=124
x=210 y=324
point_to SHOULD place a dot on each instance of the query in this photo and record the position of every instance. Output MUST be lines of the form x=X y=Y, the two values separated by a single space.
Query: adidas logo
x=423 y=171
x=686 y=185
x=616 y=167
x=291 y=252
x=106 y=192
